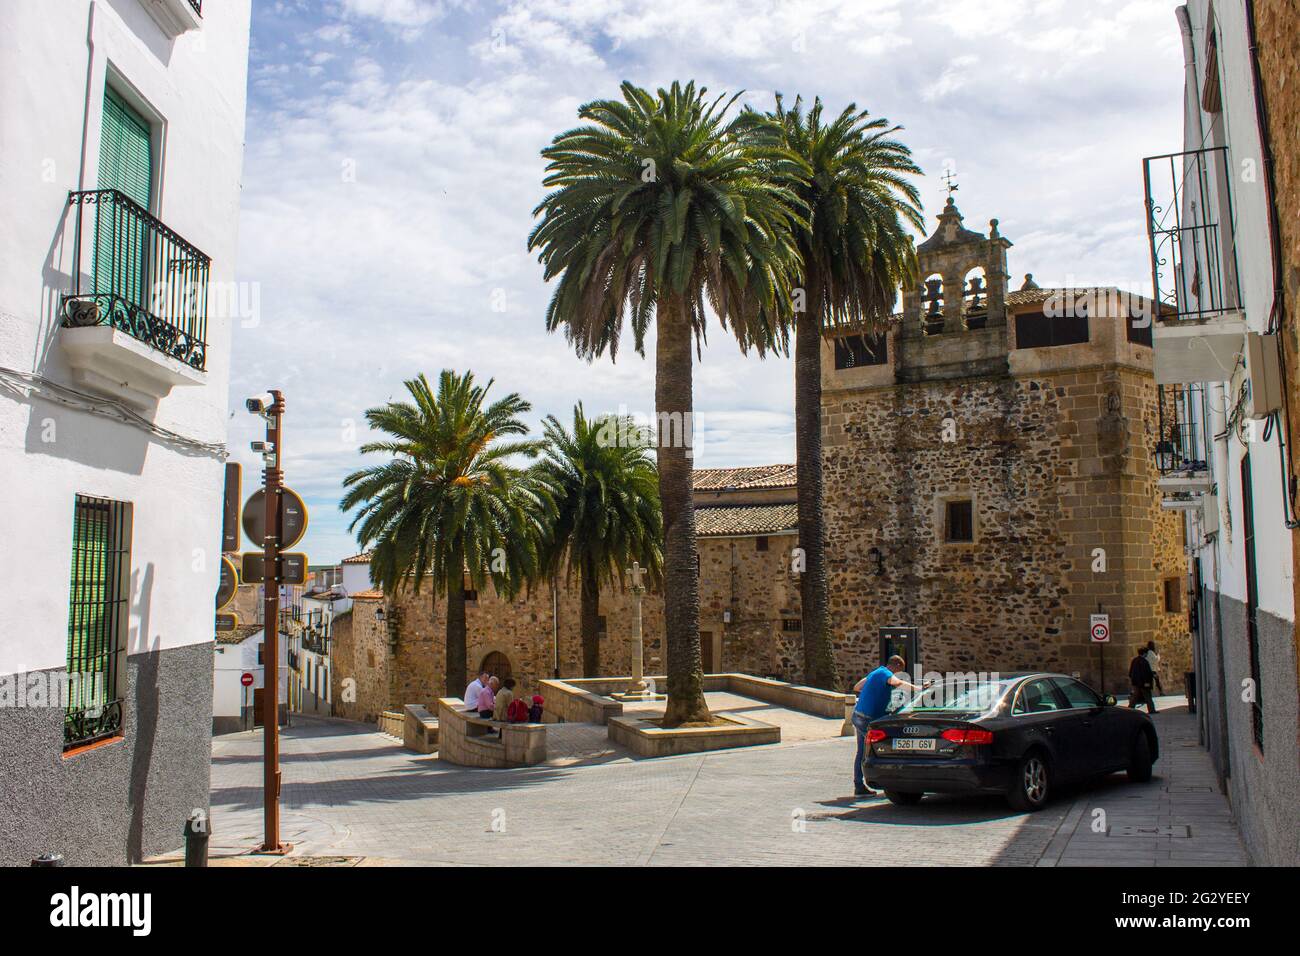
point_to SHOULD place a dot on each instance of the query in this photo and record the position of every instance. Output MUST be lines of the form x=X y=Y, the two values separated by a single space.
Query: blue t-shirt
x=873 y=699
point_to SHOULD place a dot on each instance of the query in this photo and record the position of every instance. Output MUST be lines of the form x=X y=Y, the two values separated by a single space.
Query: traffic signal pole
x=273 y=478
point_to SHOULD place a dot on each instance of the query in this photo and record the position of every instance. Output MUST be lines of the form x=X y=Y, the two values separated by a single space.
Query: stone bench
x=468 y=740
x=420 y=729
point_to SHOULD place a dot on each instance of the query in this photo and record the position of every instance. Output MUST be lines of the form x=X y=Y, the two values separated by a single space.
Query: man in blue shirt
x=874 y=692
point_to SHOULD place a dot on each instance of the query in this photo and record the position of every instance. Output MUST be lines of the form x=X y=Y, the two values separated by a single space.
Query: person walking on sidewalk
x=1154 y=660
x=873 y=692
x=1140 y=676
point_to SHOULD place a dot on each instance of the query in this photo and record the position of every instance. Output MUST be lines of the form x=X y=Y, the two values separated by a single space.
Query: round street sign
x=229 y=583
x=293 y=518
x=1100 y=628
x=246 y=679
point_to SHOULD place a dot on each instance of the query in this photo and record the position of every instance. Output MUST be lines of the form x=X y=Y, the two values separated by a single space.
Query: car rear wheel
x=1031 y=784
x=903 y=799
x=1139 y=764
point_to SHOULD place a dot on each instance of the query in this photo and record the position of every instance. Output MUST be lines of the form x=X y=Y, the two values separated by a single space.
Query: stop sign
x=247 y=680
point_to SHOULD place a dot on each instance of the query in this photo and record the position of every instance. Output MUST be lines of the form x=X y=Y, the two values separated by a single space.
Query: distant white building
x=237 y=707
x=121 y=147
x=356 y=574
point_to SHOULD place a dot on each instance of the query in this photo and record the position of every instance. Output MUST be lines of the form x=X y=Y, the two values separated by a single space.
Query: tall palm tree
x=606 y=492
x=448 y=505
x=854 y=254
x=657 y=205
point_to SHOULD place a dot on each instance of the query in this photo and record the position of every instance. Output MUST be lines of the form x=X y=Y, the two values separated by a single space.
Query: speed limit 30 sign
x=1099 y=628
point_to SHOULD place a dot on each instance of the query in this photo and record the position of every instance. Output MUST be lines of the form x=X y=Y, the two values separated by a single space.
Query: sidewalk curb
x=1064 y=831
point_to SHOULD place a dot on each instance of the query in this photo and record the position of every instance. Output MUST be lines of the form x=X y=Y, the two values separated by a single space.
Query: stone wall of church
x=1057 y=466
x=735 y=573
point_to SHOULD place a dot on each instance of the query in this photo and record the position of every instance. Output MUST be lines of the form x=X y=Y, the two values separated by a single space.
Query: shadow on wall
x=145 y=712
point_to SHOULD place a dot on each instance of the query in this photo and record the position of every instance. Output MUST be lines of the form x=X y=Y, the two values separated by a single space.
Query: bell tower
x=955 y=317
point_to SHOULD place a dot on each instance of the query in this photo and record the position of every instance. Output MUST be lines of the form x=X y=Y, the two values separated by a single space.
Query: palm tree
x=854 y=254
x=657 y=206
x=448 y=505
x=606 y=493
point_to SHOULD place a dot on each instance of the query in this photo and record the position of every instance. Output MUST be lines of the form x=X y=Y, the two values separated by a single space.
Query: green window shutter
x=126 y=150
x=125 y=164
x=87 y=632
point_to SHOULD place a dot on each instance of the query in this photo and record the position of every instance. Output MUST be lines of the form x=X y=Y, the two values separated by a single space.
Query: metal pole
x=271 y=630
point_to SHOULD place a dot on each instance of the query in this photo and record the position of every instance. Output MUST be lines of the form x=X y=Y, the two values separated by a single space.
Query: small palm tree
x=606 y=492
x=854 y=254
x=658 y=206
x=448 y=505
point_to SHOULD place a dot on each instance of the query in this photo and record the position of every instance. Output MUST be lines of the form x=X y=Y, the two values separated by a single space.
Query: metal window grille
x=98 y=603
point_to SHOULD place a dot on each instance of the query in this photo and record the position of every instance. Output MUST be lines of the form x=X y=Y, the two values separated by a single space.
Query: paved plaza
x=352 y=796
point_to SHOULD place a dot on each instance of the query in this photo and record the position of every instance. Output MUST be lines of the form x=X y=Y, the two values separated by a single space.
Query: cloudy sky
x=392 y=165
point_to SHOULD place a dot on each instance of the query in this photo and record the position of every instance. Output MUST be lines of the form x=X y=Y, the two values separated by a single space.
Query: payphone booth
x=906 y=643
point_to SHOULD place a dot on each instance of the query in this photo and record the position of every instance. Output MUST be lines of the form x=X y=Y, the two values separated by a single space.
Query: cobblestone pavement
x=355 y=796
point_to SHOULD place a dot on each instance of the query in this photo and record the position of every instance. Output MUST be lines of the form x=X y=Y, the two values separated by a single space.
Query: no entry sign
x=1099 y=628
x=246 y=679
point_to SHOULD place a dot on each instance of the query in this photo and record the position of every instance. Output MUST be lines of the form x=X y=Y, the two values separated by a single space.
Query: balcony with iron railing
x=133 y=277
x=1198 y=326
x=1182 y=446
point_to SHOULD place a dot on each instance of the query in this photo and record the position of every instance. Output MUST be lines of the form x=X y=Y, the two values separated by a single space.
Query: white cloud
x=387 y=199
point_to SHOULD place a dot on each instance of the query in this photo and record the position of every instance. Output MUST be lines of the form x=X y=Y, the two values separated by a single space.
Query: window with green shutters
x=125 y=164
x=99 y=595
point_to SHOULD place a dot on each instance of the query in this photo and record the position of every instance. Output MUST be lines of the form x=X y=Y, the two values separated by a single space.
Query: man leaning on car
x=873 y=692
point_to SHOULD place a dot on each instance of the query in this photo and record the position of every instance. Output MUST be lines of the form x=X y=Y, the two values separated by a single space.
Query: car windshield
x=967 y=694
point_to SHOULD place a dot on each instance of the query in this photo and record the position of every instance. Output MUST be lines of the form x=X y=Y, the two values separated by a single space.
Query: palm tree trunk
x=814 y=592
x=456 y=630
x=590 y=614
x=673 y=406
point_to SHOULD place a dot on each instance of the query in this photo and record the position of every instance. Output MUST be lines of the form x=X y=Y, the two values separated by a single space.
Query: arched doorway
x=497 y=664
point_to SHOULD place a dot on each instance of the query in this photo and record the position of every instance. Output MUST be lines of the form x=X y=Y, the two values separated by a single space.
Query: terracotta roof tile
x=240 y=634
x=757 y=476
x=362 y=558
x=370 y=595
x=746 y=519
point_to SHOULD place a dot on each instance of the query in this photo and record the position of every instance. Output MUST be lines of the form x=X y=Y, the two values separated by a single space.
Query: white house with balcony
x=1221 y=448
x=122 y=141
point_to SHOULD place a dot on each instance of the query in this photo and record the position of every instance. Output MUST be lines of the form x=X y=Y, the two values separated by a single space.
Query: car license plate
x=903 y=743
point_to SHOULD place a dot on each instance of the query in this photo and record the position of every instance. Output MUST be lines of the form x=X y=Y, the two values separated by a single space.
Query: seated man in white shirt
x=474 y=689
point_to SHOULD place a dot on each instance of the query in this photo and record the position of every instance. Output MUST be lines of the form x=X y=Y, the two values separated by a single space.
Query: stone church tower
x=989 y=476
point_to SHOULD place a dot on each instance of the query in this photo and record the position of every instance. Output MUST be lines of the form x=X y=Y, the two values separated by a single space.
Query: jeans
x=860 y=722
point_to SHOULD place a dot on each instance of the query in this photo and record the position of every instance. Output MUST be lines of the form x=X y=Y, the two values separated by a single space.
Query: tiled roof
x=745 y=519
x=729 y=479
x=370 y=595
x=240 y=634
x=362 y=558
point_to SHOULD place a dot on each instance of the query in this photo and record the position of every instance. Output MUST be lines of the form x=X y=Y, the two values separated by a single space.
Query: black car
x=1020 y=735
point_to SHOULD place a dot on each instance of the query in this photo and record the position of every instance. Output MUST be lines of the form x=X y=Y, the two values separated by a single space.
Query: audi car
x=1021 y=735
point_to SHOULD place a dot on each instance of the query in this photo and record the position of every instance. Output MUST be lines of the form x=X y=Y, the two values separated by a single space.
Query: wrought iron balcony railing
x=1189 y=225
x=144 y=279
x=1181 y=447
x=198 y=6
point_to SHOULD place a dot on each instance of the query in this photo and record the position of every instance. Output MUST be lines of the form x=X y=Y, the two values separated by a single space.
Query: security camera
x=255 y=406
x=262 y=447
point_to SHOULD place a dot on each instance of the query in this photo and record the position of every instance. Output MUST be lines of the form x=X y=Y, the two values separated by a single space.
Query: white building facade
x=1221 y=446
x=122 y=143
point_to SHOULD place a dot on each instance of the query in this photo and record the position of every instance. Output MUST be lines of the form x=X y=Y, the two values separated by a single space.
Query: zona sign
x=1100 y=628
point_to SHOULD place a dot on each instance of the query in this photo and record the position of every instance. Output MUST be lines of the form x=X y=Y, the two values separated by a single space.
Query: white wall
x=356 y=577
x=54 y=60
x=229 y=666
x=1254 y=264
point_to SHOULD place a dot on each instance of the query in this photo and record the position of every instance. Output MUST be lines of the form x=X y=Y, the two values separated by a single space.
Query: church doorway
x=497 y=664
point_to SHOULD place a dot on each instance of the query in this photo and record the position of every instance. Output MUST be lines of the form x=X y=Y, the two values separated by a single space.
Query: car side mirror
x=1109 y=700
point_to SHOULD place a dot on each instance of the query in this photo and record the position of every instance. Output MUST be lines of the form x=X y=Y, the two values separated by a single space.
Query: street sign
x=227 y=622
x=293 y=518
x=229 y=583
x=246 y=679
x=293 y=567
x=230 y=507
x=1099 y=628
